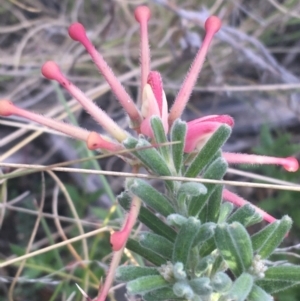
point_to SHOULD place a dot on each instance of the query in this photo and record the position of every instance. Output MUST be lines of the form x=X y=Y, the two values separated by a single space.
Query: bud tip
x=213 y=24
x=142 y=13
x=6 y=107
x=77 y=32
x=292 y=164
x=51 y=70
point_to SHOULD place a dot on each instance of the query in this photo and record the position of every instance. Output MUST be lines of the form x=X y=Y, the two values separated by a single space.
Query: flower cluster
x=154 y=104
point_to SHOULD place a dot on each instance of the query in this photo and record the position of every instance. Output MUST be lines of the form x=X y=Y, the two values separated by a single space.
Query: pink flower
x=154 y=103
x=200 y=130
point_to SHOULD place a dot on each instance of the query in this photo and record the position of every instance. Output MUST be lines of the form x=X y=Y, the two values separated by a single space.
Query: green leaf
x=204 y=264
x=201 y=286
x=160 y=137
x=279 y=278
x=165 y=293
x=124 y=200
x=215 y=171
x=156 y=225
x=241 y=288
x=269 y=238
x=151 y=196
x=148 y=218
x=182 y=289
x=149 y=255
x=185 y=239
x=218 y=265
x=234 y=244
x=148 y=155
x=130 y=142
x=246 y=215
x=211 y=210
x=207 y=247
x=191 y=189
x=128 y=273
x=258 y=294
x=146 y=284
x=178 y=133
x=176 y=220
x=221 y=282
x=209 y=150
x=225 y=210
x=205 y=232
x=157 y=244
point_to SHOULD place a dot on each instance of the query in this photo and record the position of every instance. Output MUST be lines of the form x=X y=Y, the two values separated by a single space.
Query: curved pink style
x=77 y=32
x=51 y=71
x=8 y=108
x=290 y=164
x=142 y=15
x=212 y=26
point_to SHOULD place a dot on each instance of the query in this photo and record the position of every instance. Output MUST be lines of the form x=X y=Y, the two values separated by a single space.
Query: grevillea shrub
x=196 y=245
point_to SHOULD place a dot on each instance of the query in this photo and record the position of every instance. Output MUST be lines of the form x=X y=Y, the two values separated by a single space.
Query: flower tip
x=226 y=119
x=51 y=70
x=77 y=32
x=213 y=24
x=142 y=13
x=291 y=165
x=6 y=107
x=94 y=141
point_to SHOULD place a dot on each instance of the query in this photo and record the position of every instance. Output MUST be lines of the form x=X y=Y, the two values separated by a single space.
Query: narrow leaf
x=225 y=210
x=178 y=133
x=160 y=137
x=221 y=282
x=149 y=255
x=148 y=155
x=149 y=219
x=269 y=238
x=176 y=220
x=205 y=232
x=203 y=265
x=279 y=278
x=184 y=240
x=208 y=151
x=151 y=196
x=128 y=273
x=258 y=294
x=146 y=284
x=211 y=210
x=165 y=293
x=241 y=288
x=201 y=286
x=215 y=171
x=156 y=225
x=207 y=247
x=234 y=244
x=191 y=189
x=246 y=215
x=157 y=244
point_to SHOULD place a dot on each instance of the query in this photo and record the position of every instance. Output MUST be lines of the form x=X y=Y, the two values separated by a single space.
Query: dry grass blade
x=55 y=246
x=31 y=240
x=291 y=187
